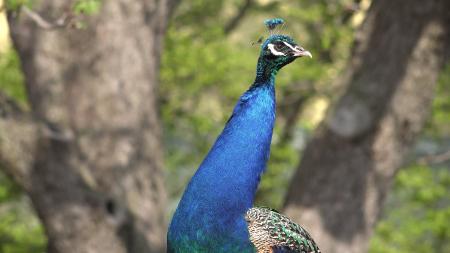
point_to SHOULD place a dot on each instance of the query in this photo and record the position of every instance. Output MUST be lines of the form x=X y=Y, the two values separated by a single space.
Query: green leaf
x=89 y=7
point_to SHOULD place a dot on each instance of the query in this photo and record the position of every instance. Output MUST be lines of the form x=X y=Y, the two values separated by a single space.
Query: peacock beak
x=300 y=51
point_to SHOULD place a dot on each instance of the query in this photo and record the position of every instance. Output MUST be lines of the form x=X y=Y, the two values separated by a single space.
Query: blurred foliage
x=15 y=4
x=439 y=124
x=205 y=69
x=8 y=190
x=88 y=7
x=20 y=229
x=11 y=77
x=417 y=213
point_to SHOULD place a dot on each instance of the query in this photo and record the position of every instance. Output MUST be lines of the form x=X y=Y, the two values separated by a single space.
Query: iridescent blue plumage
x=211 y=214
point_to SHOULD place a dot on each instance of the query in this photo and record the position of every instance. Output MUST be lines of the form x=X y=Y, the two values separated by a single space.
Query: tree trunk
x=89 y=152
x=347 y=169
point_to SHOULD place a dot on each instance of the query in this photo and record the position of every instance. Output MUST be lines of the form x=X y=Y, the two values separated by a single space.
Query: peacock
x=216 y=212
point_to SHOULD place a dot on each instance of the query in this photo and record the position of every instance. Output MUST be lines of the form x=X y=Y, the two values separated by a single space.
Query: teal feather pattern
x=271 y=231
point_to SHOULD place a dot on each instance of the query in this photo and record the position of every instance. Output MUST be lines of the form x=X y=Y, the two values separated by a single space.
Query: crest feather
x=273 y=23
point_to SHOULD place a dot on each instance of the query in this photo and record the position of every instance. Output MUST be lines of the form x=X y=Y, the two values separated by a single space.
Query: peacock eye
x=276 y=49
x=279 y=46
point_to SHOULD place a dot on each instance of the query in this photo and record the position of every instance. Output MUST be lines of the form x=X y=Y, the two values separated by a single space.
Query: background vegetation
x=208 y=62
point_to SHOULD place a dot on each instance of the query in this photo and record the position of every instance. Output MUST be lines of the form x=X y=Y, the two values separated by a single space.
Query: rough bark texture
x=347 y=169
x=89 y=152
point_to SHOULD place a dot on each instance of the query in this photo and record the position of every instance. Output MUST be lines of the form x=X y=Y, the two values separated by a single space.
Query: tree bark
x=89 y=152
x=347 y=169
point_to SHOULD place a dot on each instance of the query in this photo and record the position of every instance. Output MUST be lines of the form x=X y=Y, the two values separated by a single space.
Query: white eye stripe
x=273 y=50
x=289 y=45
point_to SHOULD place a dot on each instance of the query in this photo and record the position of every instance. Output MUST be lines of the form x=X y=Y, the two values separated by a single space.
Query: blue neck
x=211 y=211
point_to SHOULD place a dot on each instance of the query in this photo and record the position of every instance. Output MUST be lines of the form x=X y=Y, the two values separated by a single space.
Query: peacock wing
x=272 y=232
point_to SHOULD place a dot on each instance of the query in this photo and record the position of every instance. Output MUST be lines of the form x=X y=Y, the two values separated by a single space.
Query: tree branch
x=434 y=158
x=61 y=22
x=18 y=135
x=236 y=19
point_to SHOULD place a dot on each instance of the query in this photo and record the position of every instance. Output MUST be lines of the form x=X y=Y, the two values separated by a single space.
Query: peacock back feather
x=271 y=231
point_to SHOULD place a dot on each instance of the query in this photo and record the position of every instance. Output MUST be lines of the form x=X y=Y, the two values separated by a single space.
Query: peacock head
x=278 y=50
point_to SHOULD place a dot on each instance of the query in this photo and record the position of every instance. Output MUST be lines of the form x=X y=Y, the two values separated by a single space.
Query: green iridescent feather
x=270 y=230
